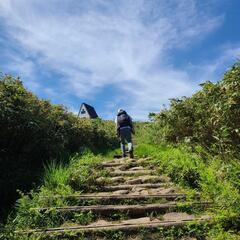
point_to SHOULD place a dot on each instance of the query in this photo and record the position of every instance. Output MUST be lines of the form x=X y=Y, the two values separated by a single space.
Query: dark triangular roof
x=91 y=111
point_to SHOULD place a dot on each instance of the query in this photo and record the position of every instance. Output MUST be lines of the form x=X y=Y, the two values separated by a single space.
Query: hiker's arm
x=132 y=126
x=117 y=127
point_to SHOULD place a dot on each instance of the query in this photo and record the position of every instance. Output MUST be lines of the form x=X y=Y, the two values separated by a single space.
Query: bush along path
x=122 y=199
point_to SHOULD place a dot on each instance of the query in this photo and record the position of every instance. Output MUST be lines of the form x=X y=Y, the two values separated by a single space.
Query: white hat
x=120 y=110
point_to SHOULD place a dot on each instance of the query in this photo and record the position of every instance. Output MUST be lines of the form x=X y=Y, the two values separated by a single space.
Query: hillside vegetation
x=209 y=118
x=195 y=143
x=34 y=131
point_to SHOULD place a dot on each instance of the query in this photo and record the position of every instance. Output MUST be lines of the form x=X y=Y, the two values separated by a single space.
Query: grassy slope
x=215 y=179
x=59 y=179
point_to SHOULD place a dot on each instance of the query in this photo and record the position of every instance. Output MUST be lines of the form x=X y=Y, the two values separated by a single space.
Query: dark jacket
x=130 y=122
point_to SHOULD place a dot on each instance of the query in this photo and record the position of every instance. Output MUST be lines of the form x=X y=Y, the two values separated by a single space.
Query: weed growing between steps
x=215 y=179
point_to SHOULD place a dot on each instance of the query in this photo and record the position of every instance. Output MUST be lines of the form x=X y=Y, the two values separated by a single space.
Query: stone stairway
x=132 y=197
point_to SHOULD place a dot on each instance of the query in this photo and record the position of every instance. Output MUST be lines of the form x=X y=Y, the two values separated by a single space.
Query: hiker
x=124 y=128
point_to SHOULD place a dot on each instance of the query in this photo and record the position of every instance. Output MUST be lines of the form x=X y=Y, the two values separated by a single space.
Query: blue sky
x=133 y=54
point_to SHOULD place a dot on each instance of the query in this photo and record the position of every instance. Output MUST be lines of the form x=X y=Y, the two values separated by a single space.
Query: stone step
x=125 y=167
x=131 y=186
x=111 y=164
x=129 y=173
x=147 y=179
x=126 y=161
x=106 y=196
x=132 y=225
x=132 y=210
x=132 y=180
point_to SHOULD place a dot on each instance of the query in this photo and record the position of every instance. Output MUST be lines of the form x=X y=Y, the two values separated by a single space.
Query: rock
x=123 y=167
x=99 y=222
x=117 y=179
x=144 y=192
x=134 y=181
x=100 y=179
x=138 y=220
x=166 y=190
x=120 y=192
x=176 y=216
x=164 y=178
x=149 y=178
x=136 y=168
x=161 y=190
x=138 y=189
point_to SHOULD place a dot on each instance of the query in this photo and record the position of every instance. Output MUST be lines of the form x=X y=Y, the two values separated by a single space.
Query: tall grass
x=77 y=176
x=215 y=179
x=56 y=174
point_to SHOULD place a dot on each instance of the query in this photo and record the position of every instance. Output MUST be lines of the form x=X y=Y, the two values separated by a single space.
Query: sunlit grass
x=56 y=174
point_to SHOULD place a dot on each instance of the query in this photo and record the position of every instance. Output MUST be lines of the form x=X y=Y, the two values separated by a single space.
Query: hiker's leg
x=128 y=136
x=130 y=149
x=122 y=144
x=123 y=149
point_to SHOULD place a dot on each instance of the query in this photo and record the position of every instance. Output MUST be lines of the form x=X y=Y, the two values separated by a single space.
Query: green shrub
x=196 y=141
x=209 y=118
x=33 y=131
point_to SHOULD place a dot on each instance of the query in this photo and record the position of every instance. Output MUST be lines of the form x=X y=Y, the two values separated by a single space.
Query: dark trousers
x=126 y=138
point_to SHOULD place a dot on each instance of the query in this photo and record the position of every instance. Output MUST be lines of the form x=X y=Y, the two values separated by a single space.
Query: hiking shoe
x=131 y=154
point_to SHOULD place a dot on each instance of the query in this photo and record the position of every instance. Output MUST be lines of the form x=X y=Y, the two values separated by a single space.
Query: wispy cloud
x=213 y=69
x=94 y=44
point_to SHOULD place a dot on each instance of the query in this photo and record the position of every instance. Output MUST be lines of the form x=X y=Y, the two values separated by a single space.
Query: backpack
x=123 y=120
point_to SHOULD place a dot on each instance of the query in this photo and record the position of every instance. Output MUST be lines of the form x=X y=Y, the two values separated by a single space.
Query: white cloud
x=213 y=69
x=93 y=44
x=23 y=68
